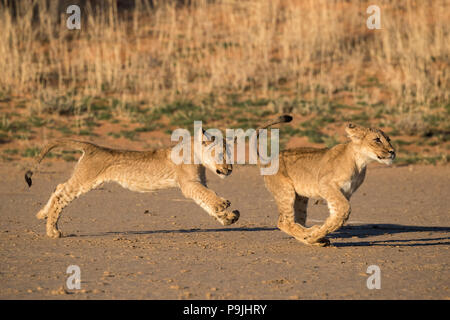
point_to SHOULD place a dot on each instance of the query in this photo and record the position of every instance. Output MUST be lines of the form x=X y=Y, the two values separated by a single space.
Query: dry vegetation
x=129 y=74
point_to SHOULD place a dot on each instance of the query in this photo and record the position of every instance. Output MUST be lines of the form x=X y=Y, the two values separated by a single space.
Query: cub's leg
x=62 y=196
x=43 y=213
x=209 y=201
x=340 y=209
x=291 y=208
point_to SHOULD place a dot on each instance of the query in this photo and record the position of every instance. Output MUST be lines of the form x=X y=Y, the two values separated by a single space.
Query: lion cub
x=331 y=174
x=141 y=171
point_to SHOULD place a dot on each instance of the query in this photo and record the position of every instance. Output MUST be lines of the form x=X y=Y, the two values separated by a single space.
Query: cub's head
x=371 y=143
x=215 y=152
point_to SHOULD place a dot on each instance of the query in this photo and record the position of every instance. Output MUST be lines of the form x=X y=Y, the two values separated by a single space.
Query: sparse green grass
x=11 y=151
x=331 y=141
x=3 y=137
x=14 y=126
x=30 y=152
x=400 y=142
x=288 y=130
x=86 y=132
x=69 y=158
x=84 y=116
x=314 y=136
x=246 y=123
x=128 y=134
x=148 y=127
x=36 y=121
x=236 y=103
x=65 y=130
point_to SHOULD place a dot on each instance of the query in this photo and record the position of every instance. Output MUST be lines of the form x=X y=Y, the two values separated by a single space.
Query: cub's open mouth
x=223 y=173
x=390 y=157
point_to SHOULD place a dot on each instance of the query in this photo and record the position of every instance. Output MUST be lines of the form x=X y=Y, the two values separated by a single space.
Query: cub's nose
x=392 y=153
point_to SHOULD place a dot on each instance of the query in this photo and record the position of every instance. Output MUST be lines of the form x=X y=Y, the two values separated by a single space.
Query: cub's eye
x=377 y=140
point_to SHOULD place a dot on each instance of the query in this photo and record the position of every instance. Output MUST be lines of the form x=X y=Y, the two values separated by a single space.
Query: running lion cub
x=331 y=174
x=141 y=171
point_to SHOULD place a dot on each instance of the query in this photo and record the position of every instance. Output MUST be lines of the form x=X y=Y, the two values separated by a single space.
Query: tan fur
x=331 y=174
x=141 y=171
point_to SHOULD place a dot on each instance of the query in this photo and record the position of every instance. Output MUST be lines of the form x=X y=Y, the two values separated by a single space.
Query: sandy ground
x=163 y=246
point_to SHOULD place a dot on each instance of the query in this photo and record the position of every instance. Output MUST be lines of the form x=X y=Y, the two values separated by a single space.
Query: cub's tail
x=285 y=118
x=282 y=119
x=65 y=143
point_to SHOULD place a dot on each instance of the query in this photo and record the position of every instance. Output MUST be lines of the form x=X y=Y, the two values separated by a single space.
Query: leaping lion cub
x=141 y=171
x=331 y=174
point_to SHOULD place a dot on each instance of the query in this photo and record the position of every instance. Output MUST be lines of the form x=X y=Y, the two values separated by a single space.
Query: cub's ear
x=355 y=132
x=206 y=135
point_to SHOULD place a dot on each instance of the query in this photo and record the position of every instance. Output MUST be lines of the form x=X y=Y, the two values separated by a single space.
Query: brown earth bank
x=163 y=246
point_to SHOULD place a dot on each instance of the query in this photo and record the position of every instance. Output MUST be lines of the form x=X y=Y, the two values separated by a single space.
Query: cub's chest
x=346 y=187
x=351 y=184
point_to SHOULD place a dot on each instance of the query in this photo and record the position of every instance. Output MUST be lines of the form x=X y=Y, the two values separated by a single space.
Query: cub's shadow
x=374 y=230
x=347 y=232
x=193 y=230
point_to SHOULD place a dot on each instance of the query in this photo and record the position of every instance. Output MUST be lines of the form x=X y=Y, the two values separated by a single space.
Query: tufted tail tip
x=285 y=118
x=28 y=175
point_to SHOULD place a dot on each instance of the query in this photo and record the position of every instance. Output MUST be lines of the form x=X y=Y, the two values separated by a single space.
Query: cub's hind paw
x=41 y=215
x=54 y=233
x=228 y=218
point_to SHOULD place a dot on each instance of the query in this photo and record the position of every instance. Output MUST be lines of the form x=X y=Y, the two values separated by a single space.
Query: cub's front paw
x=313 y=228
x=221 y=205
x=324 y=242
x=313 y=233
x=227 y=218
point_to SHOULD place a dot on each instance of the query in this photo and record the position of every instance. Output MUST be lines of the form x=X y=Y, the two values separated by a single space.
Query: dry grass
x=310 y=49
x=306 y=54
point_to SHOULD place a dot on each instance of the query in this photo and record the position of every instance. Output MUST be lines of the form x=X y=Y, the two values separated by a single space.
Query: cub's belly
x=308 y=190
x=138 y=181
x=143 y=185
